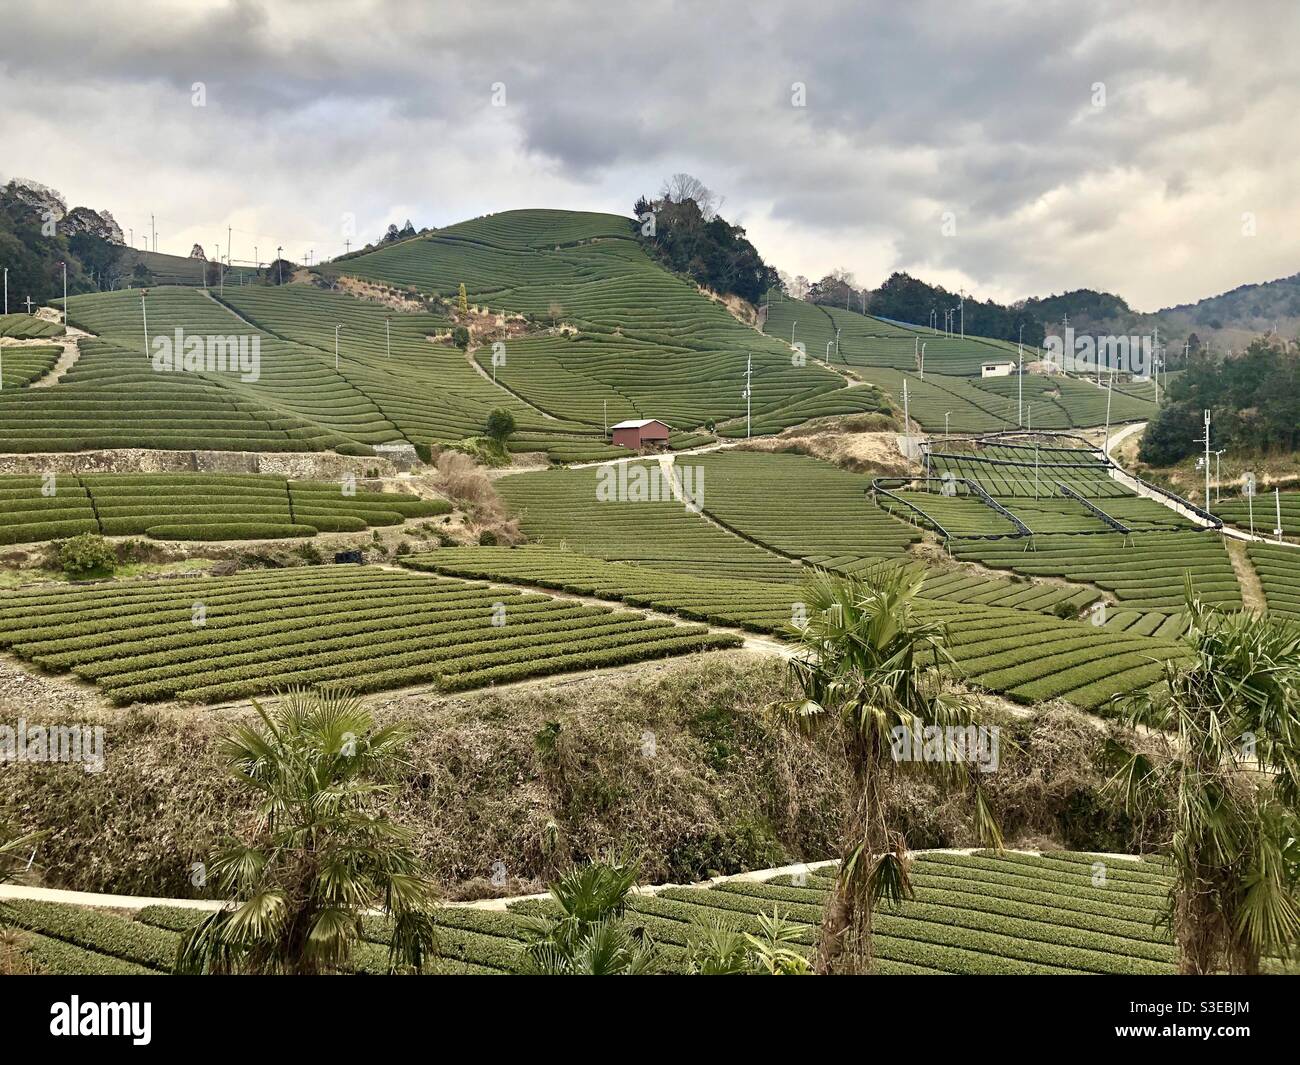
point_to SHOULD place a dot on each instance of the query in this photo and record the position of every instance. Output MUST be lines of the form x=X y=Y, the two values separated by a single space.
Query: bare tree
x=682 y=187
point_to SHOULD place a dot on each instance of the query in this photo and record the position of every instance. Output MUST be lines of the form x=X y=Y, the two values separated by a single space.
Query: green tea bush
x=85 y=556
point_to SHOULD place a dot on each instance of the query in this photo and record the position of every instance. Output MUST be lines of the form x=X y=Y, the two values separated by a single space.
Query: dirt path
x=469 y=358
x=1252 y=590
x=751 y=641
x=71 y=345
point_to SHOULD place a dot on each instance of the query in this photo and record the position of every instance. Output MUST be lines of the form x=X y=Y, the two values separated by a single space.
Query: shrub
x=460 y=337
x=500 y=425
x=87 y=555
x=230 y=531
x=487 y=538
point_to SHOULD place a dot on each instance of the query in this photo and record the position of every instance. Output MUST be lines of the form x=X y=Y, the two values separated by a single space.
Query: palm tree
x=590 y=936
x=324 y=853
x=15 y=851
x=867 y=675
x=1228 y=717
x=720 y=949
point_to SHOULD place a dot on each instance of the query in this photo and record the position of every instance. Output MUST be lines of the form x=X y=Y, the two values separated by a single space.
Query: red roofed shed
x=637 y=433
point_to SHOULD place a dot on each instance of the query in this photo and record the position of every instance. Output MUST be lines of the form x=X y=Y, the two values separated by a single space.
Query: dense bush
x=1253 y=400
x=86 y=555
x=231 y=531
x=705 y=247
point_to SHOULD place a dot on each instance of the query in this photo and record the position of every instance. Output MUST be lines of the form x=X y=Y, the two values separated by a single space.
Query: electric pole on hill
x=749 y=387
x=1205 y=439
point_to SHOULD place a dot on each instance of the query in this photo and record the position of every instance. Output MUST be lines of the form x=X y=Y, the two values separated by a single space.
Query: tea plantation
x=213 y=639
x=977 y=914
x=195 y=507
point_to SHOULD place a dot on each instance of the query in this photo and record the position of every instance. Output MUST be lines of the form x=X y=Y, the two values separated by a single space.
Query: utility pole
x=6 y=290
x=388 y=340
x=1206 y=441
x=749 y=388
x=144 y=317
x=1035 y=469
x=1020 y=388
x=963 y=316
x=792 y=325
x=336 y=347
x=279 y=270
x=230 y=246
x=923 y=359
x=945 y=425
x=1277 y=502
x=153 y=229
x=1110 y=389
x=837 y=344
x=605 y=420
x=907 y=420
x=65 y=293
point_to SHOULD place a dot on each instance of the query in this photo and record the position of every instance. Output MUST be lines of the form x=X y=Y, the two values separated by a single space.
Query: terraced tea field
x=1146 y=574
x=28 y=327
x=195 y=507
x=1279 y=572
x=979 y=914
x=647 y=342
x=1017 y=649
x=563 y=508
x=214 y=639
x=21 y=365
x=1265 y=507
x=797 y=505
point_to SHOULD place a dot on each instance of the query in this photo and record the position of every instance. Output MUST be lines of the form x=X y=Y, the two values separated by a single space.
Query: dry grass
x=469 y=485
x=684 y=768
x=863 y=443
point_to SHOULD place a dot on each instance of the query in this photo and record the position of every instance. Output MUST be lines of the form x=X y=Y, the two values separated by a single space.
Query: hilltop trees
x=1254 y=400
x=909 y=299
x=689 y=237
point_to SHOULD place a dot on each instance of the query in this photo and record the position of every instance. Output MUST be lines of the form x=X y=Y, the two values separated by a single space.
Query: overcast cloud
x=384 y=111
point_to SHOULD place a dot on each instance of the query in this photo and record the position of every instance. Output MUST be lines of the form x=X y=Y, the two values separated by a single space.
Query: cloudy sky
x=1011 y=148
